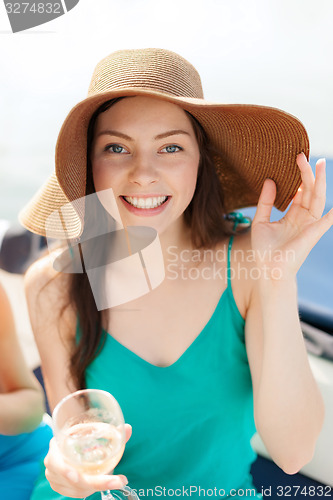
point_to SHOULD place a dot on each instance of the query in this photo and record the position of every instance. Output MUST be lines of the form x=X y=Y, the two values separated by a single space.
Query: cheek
x=192 y=175
x=102 y=176
x=105 y=183
x=187 y=183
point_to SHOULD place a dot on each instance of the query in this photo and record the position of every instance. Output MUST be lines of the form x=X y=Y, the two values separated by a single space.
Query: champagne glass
x=89 y=429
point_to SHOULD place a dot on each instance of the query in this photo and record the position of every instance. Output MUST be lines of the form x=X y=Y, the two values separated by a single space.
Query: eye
x=172 y=148
x=115 y=148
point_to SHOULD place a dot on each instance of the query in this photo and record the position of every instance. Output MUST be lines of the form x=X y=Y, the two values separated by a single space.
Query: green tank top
x=193 y=420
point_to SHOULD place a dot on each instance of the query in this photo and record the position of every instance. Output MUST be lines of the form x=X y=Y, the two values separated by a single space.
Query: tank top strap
x=237 y=218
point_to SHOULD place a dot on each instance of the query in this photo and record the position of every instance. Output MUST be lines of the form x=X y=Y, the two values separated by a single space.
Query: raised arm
x=288 y=406
x=21 y=396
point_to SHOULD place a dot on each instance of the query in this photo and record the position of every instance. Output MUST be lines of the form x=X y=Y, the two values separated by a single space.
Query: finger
x=69 y=482
x=308 y=180
x=71 y=490
x=324 y=224
x=60 y=475
x=69 y=486
x=105 y=482
x=312 y=234
x=73 y=483
x=296 y=203
x=128 y=432
x=319 y=193
x=265 y=202
x=297 y=200
x=54 y=458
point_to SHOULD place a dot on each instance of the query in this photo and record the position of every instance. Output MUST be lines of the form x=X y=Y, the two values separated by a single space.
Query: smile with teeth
x=145 y=203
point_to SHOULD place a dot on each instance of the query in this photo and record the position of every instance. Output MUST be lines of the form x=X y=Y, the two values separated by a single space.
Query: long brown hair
x=204 y=216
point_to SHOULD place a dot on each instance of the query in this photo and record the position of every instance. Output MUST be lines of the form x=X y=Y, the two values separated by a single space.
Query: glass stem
x=106 y=495
x=125 y=493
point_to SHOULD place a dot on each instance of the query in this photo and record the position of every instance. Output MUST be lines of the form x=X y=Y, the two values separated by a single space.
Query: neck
x=178 y=235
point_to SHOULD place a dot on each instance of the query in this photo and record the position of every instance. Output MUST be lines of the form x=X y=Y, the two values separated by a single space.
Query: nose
x=143 y=171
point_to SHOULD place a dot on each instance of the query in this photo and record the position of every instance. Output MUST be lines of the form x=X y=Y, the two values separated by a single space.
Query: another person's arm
x=53 y=323
x=21 y=396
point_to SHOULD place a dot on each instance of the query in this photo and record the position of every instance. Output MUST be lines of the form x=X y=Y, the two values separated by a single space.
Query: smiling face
x=146 y=150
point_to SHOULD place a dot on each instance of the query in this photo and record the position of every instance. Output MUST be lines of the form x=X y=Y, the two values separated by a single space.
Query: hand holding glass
x=89 y=429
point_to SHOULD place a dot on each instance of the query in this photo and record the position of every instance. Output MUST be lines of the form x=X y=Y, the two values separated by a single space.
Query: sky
x=269 y=52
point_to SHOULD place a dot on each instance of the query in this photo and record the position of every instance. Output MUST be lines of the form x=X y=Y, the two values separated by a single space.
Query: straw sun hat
x=253 y=142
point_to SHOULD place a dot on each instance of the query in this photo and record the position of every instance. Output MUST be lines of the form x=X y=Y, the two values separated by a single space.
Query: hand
x=281 y=247
x=67 y=481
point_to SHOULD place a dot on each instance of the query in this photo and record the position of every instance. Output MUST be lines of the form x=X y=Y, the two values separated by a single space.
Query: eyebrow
x=115 y=133
x=128 y=138
x=171 y=132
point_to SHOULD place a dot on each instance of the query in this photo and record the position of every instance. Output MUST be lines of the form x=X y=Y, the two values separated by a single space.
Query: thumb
x=128 y=432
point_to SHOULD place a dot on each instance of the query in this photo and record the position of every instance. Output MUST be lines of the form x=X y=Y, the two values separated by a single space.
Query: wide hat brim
x=252 y=143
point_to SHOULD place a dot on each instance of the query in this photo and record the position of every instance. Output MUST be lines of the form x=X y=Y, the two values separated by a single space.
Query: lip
x=145 y=212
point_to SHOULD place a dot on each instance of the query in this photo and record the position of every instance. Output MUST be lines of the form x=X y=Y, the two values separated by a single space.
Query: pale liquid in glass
x=93 y=447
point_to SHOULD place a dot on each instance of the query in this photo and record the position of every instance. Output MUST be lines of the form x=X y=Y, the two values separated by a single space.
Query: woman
x=22 y=443
x=216 y=349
